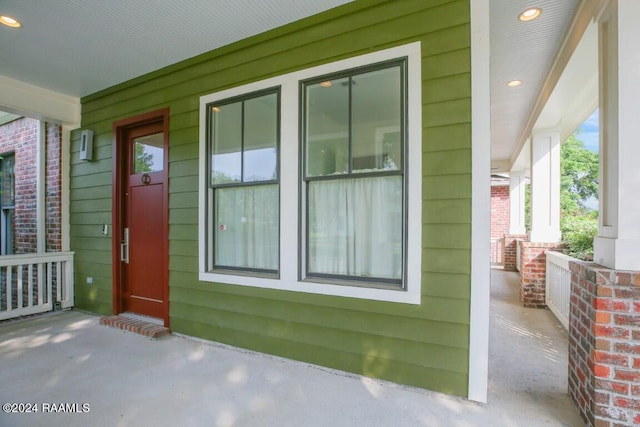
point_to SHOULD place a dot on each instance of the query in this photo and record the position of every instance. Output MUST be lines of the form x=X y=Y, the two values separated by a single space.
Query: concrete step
x=137 y=326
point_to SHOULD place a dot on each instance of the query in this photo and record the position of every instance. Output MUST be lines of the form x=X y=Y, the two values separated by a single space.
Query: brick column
x=510 y=250
x=604 y=345
x=533 y=273
x=54 y=188
x=499 y=221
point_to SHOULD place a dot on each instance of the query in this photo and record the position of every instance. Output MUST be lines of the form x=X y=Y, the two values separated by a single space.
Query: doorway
x=140 y=216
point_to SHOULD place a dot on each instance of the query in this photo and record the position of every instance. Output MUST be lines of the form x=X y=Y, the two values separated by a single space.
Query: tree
x=143 y=159
x=578 y=176
x=578 y=183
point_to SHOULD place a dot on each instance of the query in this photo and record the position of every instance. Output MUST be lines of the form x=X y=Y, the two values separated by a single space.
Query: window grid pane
x=260 y=140
x=7 y=204
x=327 y=127
x=226 y=144
x=148 y=153
x=376 y=121
x=247 y=221
x=355 y=227
x=8 y=181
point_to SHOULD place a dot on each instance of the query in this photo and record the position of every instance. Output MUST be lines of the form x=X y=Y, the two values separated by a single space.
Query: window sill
x=371 y=284
x=386 y=293
x=244 y=273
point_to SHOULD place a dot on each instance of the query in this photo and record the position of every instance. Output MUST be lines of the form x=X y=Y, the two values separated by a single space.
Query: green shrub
x=578 y=232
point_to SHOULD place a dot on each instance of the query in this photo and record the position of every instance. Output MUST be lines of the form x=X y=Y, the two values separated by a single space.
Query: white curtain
x=355 y=227
x=247 y=227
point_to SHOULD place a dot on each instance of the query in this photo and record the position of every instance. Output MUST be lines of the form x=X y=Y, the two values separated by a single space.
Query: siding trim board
x=480 y=203
x=444 y=318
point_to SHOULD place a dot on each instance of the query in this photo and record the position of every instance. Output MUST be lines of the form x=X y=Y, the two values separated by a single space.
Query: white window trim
x=290 y=180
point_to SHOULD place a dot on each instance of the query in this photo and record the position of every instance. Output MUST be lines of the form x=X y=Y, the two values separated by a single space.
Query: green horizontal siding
x=443 y=187
x=183 y=200
x=448 y=137
x=450 y=162
x=446 y=260
x=446 y=285
x=447 y=211
x=446 y=236
x=100 y=192
x=423 y=345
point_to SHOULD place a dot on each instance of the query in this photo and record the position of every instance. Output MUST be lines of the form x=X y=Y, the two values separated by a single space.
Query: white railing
x=558 y=286
x=35 y=283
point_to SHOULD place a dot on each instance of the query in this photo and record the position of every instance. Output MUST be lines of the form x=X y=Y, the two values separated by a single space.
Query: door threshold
x=138 y=325
x=142 y=317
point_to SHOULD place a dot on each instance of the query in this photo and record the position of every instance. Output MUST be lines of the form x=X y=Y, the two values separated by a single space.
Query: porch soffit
x=78 y=47
x=82 y=46
x=559 y=69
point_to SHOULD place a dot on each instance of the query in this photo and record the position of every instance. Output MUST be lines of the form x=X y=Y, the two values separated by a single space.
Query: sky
x=588 y=132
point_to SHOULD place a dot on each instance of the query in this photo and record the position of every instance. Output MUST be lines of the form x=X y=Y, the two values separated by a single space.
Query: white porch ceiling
x=78 y=47
x=521 y=51
x=558 y=68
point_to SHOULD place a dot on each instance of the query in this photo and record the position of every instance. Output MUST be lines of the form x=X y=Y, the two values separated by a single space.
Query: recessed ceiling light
x=326 y=83
x=9 y=21
x=530 y=14
x=514 y=83
x=216 y=109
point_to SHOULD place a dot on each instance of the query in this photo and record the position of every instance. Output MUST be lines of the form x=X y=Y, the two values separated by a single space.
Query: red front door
x=143 y=220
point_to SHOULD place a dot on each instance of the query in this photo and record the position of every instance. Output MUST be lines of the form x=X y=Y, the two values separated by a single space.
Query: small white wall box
x=86 y=145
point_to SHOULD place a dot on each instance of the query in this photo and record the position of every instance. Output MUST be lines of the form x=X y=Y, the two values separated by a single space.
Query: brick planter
x=510 y=250
x=533 y=273
x=604 y=345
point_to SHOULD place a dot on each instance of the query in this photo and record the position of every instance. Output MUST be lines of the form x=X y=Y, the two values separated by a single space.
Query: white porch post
x=618 y=243
x=545 y=186
x=516 y=202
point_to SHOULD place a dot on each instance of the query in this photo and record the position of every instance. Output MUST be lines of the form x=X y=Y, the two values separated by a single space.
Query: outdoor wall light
x=86 y=145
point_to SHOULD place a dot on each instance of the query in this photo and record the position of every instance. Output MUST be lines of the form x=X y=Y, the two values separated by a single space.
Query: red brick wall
x=604 y=345
x=19 y=137
x=499 y=221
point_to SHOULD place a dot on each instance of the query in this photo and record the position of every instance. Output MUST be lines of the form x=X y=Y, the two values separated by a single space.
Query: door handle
x=124 y=247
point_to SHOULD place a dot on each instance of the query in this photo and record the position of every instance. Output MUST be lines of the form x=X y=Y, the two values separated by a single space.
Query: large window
x=243 y=153
x=354 y=129
x=7 y=204
x=316 y=186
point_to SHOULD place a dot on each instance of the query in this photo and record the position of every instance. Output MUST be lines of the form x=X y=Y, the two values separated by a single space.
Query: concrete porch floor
x=130 y=380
